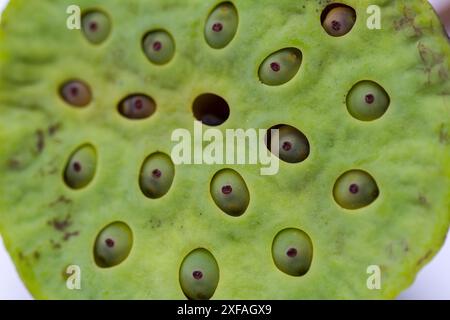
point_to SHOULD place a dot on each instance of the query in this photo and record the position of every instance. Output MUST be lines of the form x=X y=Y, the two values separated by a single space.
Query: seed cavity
x=292 y=145
x=76 y=93
x=280 y=67
x=81 y=166
x=96 y=26
x=367 y=101
x=159 y=47
x=292 y=251
x=113 y=245
x=137 y=107
x=199 y=275
x=338 y=19
x=355 y=189
x=157 y=174
x=230 y=193
x=210 y=109
x=221 y=25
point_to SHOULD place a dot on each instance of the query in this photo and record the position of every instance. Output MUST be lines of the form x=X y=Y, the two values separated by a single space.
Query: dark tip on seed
x=109 y=242
x=227 y=189
x=291 y=253
x=275 y=66
x=217 y=27
x=353 y=188
x=198 y=275
x=157 y=45
x=287 y=146
x=370 y=98
x=77 y=166
x=157 y=173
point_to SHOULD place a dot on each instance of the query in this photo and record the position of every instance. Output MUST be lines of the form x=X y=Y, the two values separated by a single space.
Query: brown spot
x=424 y=258
x=55 y=245
x=60 y=225
x=68 y=235
x=408 y=21
x=13 y=164
x=40 y=144
x=36 y=255
x=54 y=128
x=60 y=200
x=423 y=201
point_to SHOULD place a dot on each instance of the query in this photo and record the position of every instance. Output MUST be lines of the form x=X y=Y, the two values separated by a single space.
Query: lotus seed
x=338 y=20
x=76 y=93
x=199 y=275
x=280 y=67
x=221 y=26
x=293 y=145
x=156 y=175
x=96 y=26
x=137 y=107
x=81 y=167
x=292 y=251
x=355 y=189
x=230 y=192
x=159 y=47
x=113 y=245
x=367 y=101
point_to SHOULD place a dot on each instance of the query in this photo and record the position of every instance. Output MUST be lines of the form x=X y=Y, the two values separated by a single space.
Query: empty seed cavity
x=76 y=93
x=81 y=167
x=293 y=146
x=230 y=193
x=138 y=106
x=211 y=109
x=222 y=25
x=96 y=26
x=355 y=189
x=280 y=67
x=367 y=101
x=338 y=19
x=199 y=275
x=157 y=174
x=159 y=47
x=292 y=252
x=113 y=245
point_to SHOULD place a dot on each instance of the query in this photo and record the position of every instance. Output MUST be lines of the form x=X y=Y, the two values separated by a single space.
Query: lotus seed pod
x=199 y=275
x=280 y=67
x=293 y=146
x=221 y=26
x=137 y=107
x=292 y=252
x=81 y=167
x=339 y=20
x=230 y=192
x=159 y=47
x=367 y=101
x=355 y=189
x=157 y=175
x=96 y=26
x=76 y=93
x=113 y=245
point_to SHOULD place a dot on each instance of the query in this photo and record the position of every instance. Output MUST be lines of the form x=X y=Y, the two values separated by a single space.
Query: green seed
x=292 y=252
x=81 y=167
x=221 y=26
x=355 y=189
x=230 y=193
x=293 y=146
x=137 y=107
x=280 y=67
x=113 y=245
x=199 y=275
x=157 y=175
x=367 y=101
x=339 y=20
x=159 y=47
x=96 y=26
x=76 y=93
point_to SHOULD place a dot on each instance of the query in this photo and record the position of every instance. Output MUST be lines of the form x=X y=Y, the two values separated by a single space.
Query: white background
x=433 y=282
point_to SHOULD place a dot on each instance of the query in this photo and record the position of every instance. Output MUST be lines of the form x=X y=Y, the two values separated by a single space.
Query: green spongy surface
x=47 y=226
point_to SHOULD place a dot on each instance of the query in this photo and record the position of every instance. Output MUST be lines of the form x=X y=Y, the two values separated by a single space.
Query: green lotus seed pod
x=96 y=26
x=157 y=175
x=159 y=47
x=367 y=101
x=230 y=192
x=355 y=189
x=292 y=252
x=293 y=145
x=113 y=245
x=280 y=67
x=81 y=167
x=199 y=275
x=338 y=20
x=76 y=93
x=137 y=107
x=221 y=26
